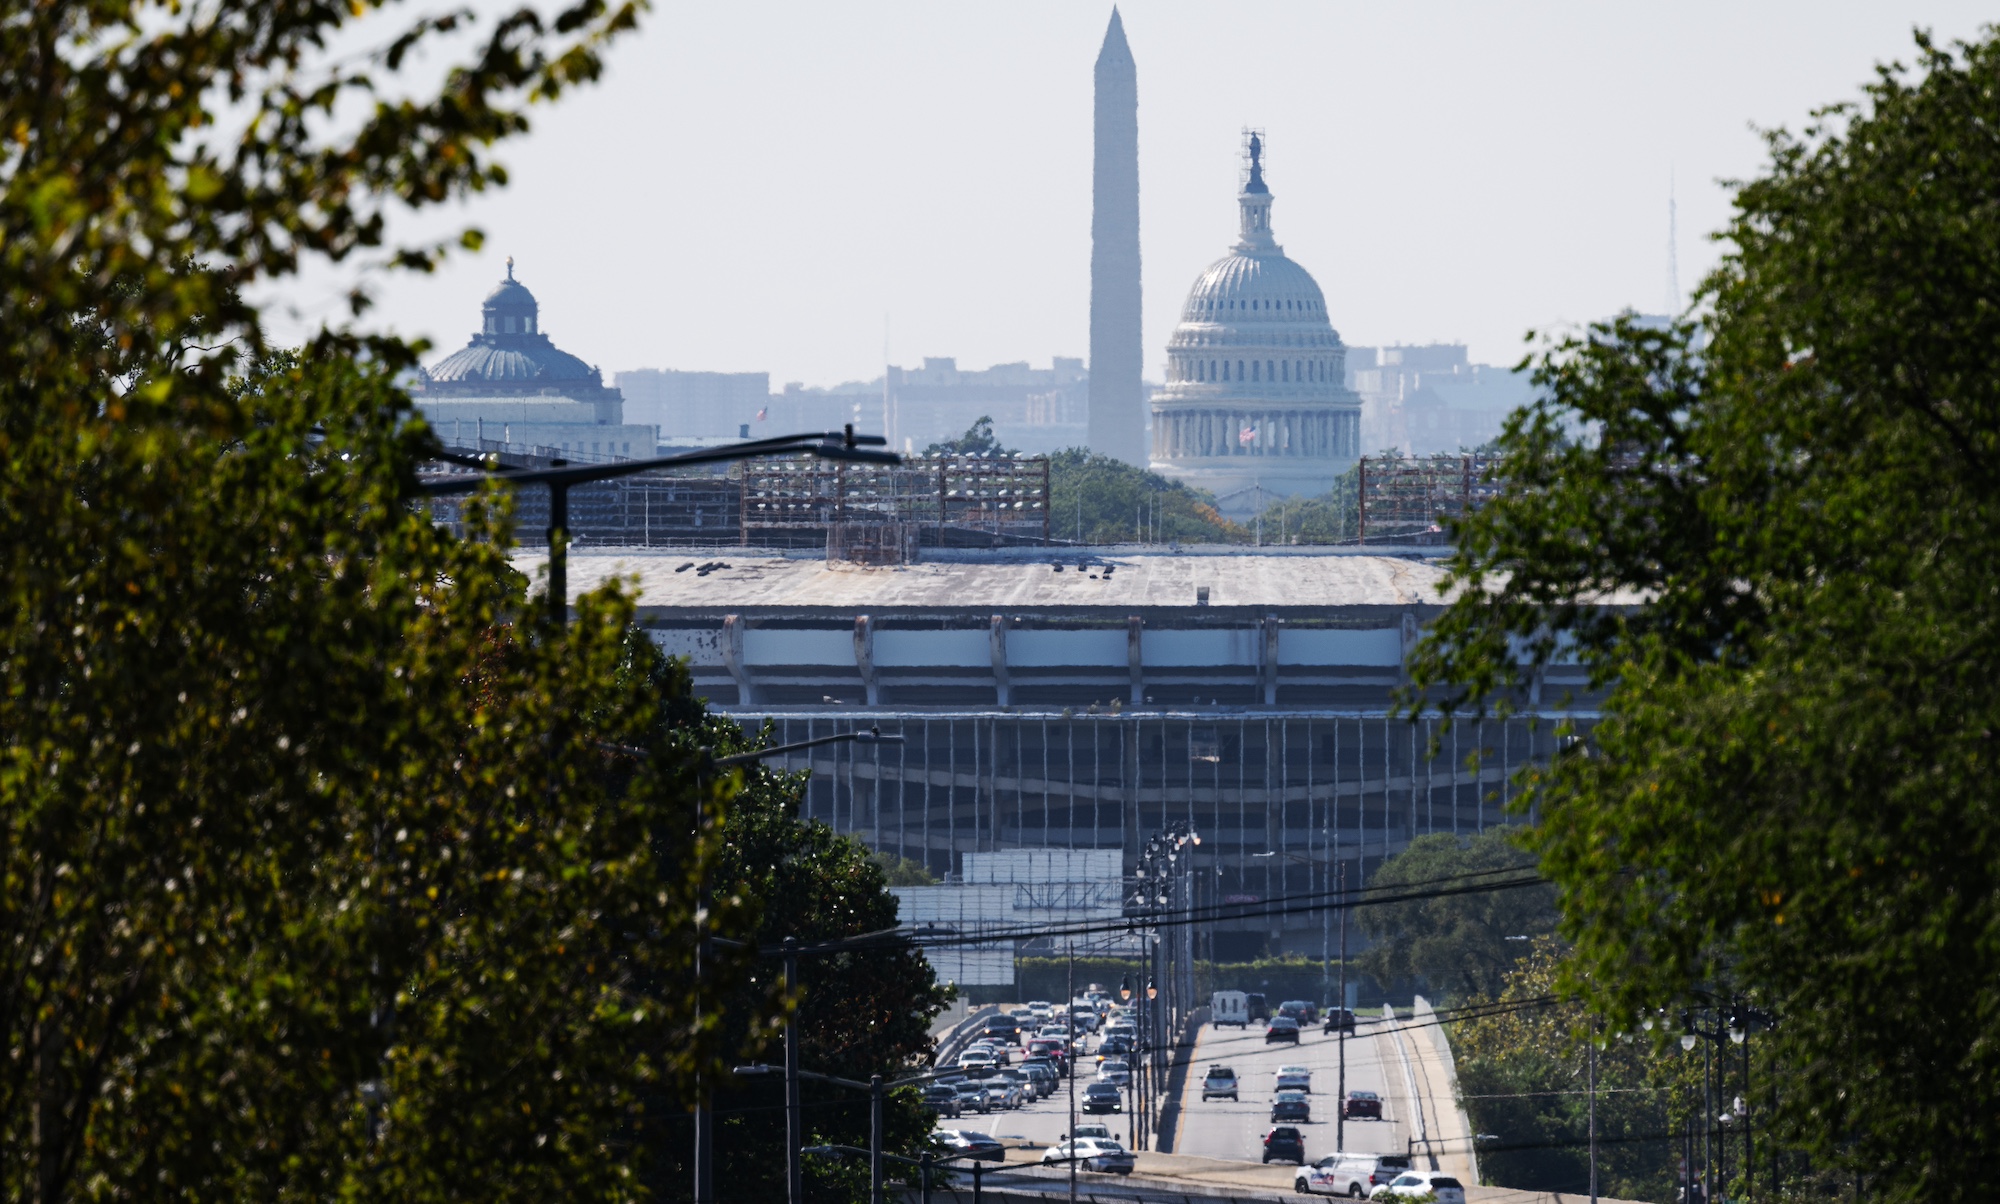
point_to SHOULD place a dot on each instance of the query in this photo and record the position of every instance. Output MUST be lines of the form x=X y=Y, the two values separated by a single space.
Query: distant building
x=1256 y=403
x=695 y=405
x=1033 y=409
x=511 y=385
x=1426 y=399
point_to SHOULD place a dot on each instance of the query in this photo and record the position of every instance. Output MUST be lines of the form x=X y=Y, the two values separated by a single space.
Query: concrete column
x=864 y=658
x=1134 y=658
x=1003 y=686
x=732 y=659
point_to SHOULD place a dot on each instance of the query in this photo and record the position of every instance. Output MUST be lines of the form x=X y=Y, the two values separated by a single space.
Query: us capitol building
x=1256 y=400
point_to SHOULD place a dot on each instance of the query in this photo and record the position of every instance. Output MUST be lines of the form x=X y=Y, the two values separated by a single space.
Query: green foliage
x=902 y=871
x=1460 y=944
x=978 y=440
x=1791 y=794
x=1523 y=1077
x=327 y=874
x=1096 y=499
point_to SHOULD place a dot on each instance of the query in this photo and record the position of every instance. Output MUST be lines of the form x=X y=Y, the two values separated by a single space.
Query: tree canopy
x=1460 y=945
x=1098 y=499
x=331 y=870
x=1777 y=554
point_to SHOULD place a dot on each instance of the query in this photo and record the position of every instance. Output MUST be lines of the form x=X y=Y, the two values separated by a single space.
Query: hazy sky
x=757 y=186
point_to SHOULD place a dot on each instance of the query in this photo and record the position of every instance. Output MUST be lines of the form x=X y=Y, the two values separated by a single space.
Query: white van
x=1351 y=1174
x=1229 y=1007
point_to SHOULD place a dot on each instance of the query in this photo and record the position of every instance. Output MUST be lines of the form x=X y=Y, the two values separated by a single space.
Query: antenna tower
x=1673 y=254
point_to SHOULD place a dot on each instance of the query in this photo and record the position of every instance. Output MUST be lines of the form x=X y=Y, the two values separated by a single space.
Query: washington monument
x=1117 y=398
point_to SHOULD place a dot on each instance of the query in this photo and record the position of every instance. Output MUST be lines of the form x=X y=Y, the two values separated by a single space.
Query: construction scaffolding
x=948 y=501
x=871 y=513
x=1407 y=500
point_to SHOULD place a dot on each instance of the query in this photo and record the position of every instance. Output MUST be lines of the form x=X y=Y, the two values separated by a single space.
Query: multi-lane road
x=1235 y=1129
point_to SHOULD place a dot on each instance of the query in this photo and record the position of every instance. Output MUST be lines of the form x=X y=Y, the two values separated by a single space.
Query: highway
x=1226 y=1129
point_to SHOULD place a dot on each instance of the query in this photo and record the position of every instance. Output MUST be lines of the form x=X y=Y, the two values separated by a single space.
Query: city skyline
x=776 y=188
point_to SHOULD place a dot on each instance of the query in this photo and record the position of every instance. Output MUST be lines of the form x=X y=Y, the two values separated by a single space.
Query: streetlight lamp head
x=1687 y=1041
x=1124 y=988
x=1152 y=990
x=1736 y=1034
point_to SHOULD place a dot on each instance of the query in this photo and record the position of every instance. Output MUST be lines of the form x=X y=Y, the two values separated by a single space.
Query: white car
x=976 y=1058
x=1093 y=1154
x=1041 y=1008
x=1294 y=1078
x=1116 y=1071
x=1442 y=1188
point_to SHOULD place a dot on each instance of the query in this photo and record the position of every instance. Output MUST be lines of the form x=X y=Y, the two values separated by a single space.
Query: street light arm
x=836 y=445
x=872 y=736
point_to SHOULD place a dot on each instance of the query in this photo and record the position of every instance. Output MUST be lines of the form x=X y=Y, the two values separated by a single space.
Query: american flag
x=763 y=413
x=1246 y=434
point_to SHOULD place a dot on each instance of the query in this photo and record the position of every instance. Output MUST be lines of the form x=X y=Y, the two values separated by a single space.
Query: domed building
x=1256 y=402
x=511 y=384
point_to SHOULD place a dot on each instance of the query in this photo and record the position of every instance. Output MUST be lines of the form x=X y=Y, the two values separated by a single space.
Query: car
x=1292 y=1105
x=1305 y=1011
x=977 y=1057
x=1113 y=1047
x=1043 y=1071
x=1255 y=1007
x=1030 y=1087
x=1218 y=1083
x=1103 y=1097
x=1000 y=1051
x=1129 y=1032
x=1284 y=1144
x=1093 y=1129
x=1282 y=1028
x=1114 y=1070
x=1362 y=1105
x=1053 y=1050
x=1349 y=1174
x=942 y=1098
x=967 y=1144
x=1058 y=1032
x=1441 y=1188
x=1227 y=1008
x=973 y=1098
x=1003 y=1028
x=1091 y=1154
x=1005 y=1094
x=1040 y=1008
x=1338 y=1020
x=1294 y=1078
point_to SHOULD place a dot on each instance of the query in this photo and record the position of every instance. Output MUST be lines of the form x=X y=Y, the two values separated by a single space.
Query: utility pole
x=1069 y=1010
x=795 y=1138
x=1340 y=1098
x=704 y=1115
x=1593 y=1111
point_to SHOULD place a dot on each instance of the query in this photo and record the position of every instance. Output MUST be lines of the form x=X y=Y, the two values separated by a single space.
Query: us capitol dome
x=1256 y=402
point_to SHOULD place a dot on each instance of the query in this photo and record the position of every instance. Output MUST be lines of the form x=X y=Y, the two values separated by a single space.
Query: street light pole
x=795 y=1190
x=1340 y=1099
x=875 y=1139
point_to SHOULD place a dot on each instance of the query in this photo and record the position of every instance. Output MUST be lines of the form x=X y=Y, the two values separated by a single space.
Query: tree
x=1777 y=556
x=1463 y=945
x=1096 y=499
x=902 y=871
x=1522 y=1057
x=978 y=440
x=330 y=871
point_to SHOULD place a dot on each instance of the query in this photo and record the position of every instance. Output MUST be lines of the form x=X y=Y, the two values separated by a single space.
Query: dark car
x=942 y=1098
x=1292 y=1105
x=1004 y=1028
x=1283 y=1028
x=1103 y=1097
x=1112 y=1047
x=1050 y=1048
x=1305 y=1011
x=1362 y=1105
x=1284 y=1144
x=977 y=1146
x=1339 y=1020
x=1254 y=1004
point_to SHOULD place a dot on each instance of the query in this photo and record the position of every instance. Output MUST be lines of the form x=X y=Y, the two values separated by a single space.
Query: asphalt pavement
x=1235 y=1129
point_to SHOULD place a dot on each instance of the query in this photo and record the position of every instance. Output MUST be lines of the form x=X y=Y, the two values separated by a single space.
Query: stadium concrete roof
x=1299 y=582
